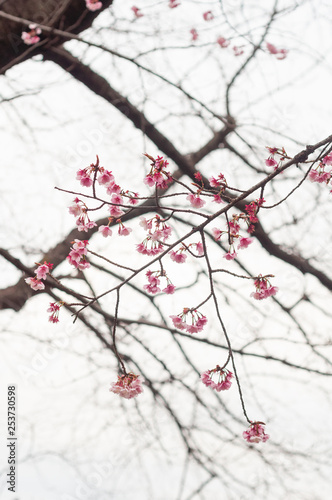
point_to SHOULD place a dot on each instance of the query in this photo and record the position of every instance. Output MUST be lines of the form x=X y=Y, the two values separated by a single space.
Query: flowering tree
x=194 y=264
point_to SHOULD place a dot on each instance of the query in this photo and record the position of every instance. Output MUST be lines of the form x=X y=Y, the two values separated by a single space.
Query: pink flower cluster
x=198 y=321
x=178 y=255
x=41 y=274
x=158 y=232
x=264 y=289
x=219 y=183
x=93 y=4
x=224 y=379
x=127 y=386
x=195 y=200
x=224 y=43
x=154 y=282
x=158 y=176
x=77 y=255
x=31 y=37
x=79 y=210
x=252 y=210
x=54 y=310
x=255 y=433
x=271 y=161
x=233 y=235
x=319 y=174
x=279 y=53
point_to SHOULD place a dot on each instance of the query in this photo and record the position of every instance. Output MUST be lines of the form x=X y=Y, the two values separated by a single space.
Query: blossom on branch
x=264 y=289
x=31 y=37
x=35 y=283
x=194 y=34
x=224 y=379
x=198 y=320
x=137 y=12
x=93 y=5
x=41 y=274
x=127 y=386
x=77 y=255
x=223 y=42
x=208 y=16
x=54 y=310
x=255 y=433
x=158 y=176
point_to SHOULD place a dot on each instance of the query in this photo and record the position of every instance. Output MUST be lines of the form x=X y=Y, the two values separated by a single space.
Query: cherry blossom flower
x=252 y=209
x=327 y=160
x=105 y=177
x=76 y=209
x=105 y=231
x=158 y=176
x=271 y=162
x=230 y=255
x=43 y=270
x=279 y=53
x=127 y=386
x=93 y=5
x=113 y=188
x=194 y=34
x=208 y=16
x=222 y=42
x=31 y=37
x=220 y=181
x=173 y=3
x=224 y=379
x=319 y=175
x=238 y=51
x=137 y=11
x=170 y=289
x=255 y=433
x=35 y=283
x=54 y=310
x=264 y=289
x=244 y=243
x=199 y=248
x=195 y=200
x=123 y=230
x=178 y=256
x=217 y=233
x=115 y=211
x=77 y=255
x=234 y=228
x=197 y=323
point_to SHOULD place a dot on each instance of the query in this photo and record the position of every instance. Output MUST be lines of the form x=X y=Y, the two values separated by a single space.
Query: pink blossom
x=136 y=11
x=105 y=177
x=105 y=231
x=195 y=200
x=271 y=48
x=224 y=379
x=113 y=188
x=282 y=54
x=178 y=323
x=327 y=160
x=178 y=256
x=127 y=386
x=222 y=42
x=170 y=289
x=194 y=34
x=83 y=225
x=263 y=288
x=84 y=178
x=93 y=5
x=155 y=248
x=43 y=270
x=146 y=224
x=234 y=227
x=271 y=162
x=199 y=248
x=115 y=211
x=31 y=37
x=255 y=433
x=116 y=199
x=75 y=209
x=76 y=256
x=319 y=176
x=244 y=243
x=35 y=283
x=123 y=230
x=237 y=51
x=217 y=233
x=208 y=16
x=220 y=181
x=173 y=3
x=217 y=198
x=54 y=310
x=230 y=256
